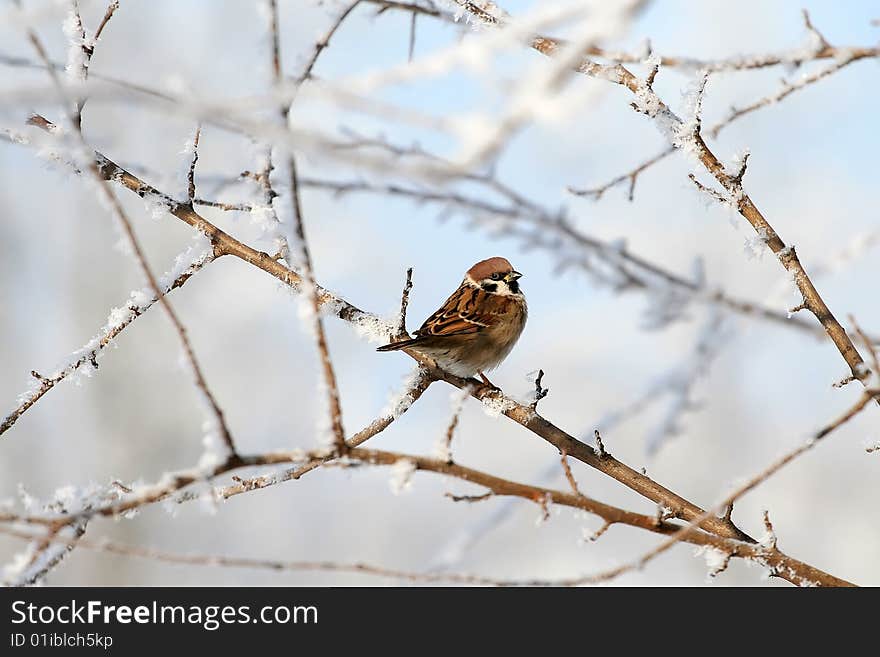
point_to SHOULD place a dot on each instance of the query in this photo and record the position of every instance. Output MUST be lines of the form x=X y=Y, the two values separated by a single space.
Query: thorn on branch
x=118 y=484
x=866 y=341
x=111 y=9
x=39 y=377
x=412 y=35
x=191 y=174
x=738 y=178
x=698 y=106
x=715 y=194
x=248 y=484
x=663 y=514
x=821 y=41
x=600 y=448
x=728 y=511
x=540 y=392
x=402 y=333
x=470 y=499
x=445 y=447
x=769 y=540
x=544 y=502
x=649 y=81
x=719 y=568
x=631 y=190
x=592 y=538
x=801 y=306
x=844 y=381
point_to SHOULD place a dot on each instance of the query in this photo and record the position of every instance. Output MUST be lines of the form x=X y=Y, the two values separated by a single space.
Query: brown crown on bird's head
x=485 y=268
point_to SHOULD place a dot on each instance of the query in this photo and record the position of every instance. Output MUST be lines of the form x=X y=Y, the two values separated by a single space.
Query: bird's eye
x=496 y=276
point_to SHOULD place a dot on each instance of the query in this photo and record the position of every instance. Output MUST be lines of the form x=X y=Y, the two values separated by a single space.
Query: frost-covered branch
x=86 y=155
x=81 y=49
x=412 y=390
x=686 y=136
x=786 y=90
x=792 y=569
x=842 y=57
x=814 y=48
x=117 y=499
x=85 y=360
x=766 y=549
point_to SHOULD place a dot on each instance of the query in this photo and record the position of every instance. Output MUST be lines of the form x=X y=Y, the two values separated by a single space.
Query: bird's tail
x=395 y=346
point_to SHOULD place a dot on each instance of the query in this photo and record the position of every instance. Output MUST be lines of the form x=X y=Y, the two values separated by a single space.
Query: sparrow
x=478 y=324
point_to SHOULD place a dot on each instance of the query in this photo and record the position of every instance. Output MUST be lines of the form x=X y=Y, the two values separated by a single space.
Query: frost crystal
x=215 y=452
x=646 y=101
x=77 y=62
x=28 y=501
x=118 y=317
x=181 y=182
x=495 y=406
x=400 y=402
x=156 y=204
x=441 y=450
x=373 y=328
x=401 y=475
x=755 y=247
x=716 y=560
x=208 y=500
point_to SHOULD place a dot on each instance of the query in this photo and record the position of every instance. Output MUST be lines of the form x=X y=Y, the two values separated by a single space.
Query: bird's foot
x=491 y=386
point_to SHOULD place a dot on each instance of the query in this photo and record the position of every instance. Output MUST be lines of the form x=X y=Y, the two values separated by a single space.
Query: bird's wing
x=460 y=315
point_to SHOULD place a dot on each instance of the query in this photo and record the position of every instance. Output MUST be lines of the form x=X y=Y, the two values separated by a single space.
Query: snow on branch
x=84 y=361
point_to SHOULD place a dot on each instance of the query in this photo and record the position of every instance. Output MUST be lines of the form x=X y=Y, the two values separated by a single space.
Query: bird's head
x=495 y=275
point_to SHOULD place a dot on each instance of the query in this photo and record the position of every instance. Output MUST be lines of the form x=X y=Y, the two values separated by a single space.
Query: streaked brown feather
x=457 y=315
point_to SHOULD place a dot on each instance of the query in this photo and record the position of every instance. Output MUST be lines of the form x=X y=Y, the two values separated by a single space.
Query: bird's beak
x=512 y=276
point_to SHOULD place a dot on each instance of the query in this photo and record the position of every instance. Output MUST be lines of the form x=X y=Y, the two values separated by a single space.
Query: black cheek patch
x=490 y=287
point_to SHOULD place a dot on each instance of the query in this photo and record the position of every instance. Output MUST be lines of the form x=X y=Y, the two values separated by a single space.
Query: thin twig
x=191 y=174
x=869 y=345
x=314 y=300
x=402 y=333
x=569 y=476
x=470 y=499
x=444 y=450
x=787 y=89
x=412 y=36
x=119 y=213
x=91 y=352
x=540 y=391
x=111 y=9
x=596 y=535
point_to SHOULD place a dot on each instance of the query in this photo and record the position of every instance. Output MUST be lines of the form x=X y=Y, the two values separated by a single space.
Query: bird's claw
x=485 y=385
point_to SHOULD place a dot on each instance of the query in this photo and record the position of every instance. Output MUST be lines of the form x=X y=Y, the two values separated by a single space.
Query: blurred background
x=812 y=172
